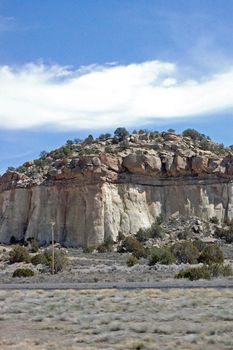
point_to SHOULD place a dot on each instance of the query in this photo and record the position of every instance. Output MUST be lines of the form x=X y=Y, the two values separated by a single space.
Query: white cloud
x=96 y=97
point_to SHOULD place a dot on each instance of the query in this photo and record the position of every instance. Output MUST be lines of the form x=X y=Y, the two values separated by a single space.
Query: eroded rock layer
x=91 y=197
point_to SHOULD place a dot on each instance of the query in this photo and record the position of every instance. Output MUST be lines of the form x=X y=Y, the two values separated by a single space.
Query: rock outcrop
x=103 y=188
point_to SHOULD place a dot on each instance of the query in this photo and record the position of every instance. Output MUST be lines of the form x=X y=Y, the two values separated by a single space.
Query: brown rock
x=179 y=165
x=134 y=163
x=112 y=162
x=200 y=164
x=170 y=136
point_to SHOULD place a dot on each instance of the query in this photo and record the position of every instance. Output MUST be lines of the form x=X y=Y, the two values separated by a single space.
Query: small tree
x=193 y=134
x=77 y=140
x=11 y=168
x=104 y=137
x=106 y=246
x=89 y=139
x=43 y=154
x=69 y=143
x=121 y=133
x=60 y=260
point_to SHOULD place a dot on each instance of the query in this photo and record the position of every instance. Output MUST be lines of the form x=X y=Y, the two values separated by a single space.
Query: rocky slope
x=100 y=188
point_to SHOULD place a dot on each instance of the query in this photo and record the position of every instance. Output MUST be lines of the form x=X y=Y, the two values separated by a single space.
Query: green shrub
x=69 y=143
x=121 y=133
x=160 y=219
x=13 y=240
x=19 y=254
x=199 y=244
x=115 y=140
x=205 y=272
x=104 y=137
x=212 y=254
x=23 y=273
x=102 y=248
x=132 y=260
x=107 y=246
x=39 y=259
x=220 y=233
x=21 y=169
x=120 y=236
x=185 y=252
x=88 y=250
x=89 y=139
x=124 y=145
x=214 y=220
x=161 y=255
x=205 y=145
x=155 y=231
x=108 y=149
x=194 y=273
x=60 y=260
x=132 y=245
x=218 y=270
x=43 y=154
x=194 y=135
x=225 y=234
x=228 y=236
x=34 y=245
x=143 y=234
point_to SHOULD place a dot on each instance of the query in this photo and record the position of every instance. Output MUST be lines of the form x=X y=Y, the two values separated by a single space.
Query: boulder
x=134 y=163
x=200 y=164
x=111 y=162
x=170 y=136
x=153 y=164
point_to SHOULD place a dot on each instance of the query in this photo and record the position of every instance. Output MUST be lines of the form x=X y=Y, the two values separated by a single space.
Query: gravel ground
x=90 y=316
x=116 y=319
x=97 y=268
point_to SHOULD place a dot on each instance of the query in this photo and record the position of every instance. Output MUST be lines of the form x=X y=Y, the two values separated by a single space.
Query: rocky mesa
x=98 y=188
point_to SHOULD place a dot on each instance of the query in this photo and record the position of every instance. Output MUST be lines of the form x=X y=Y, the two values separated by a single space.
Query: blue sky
x=70 y=68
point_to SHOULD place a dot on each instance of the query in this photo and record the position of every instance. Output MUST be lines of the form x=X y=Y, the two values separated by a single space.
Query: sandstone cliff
x=99 y=189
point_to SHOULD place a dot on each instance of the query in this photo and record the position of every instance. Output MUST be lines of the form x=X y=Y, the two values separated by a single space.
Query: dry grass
x=113 y=319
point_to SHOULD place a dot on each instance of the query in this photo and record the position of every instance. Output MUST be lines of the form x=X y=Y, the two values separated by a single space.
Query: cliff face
x=91 y=197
